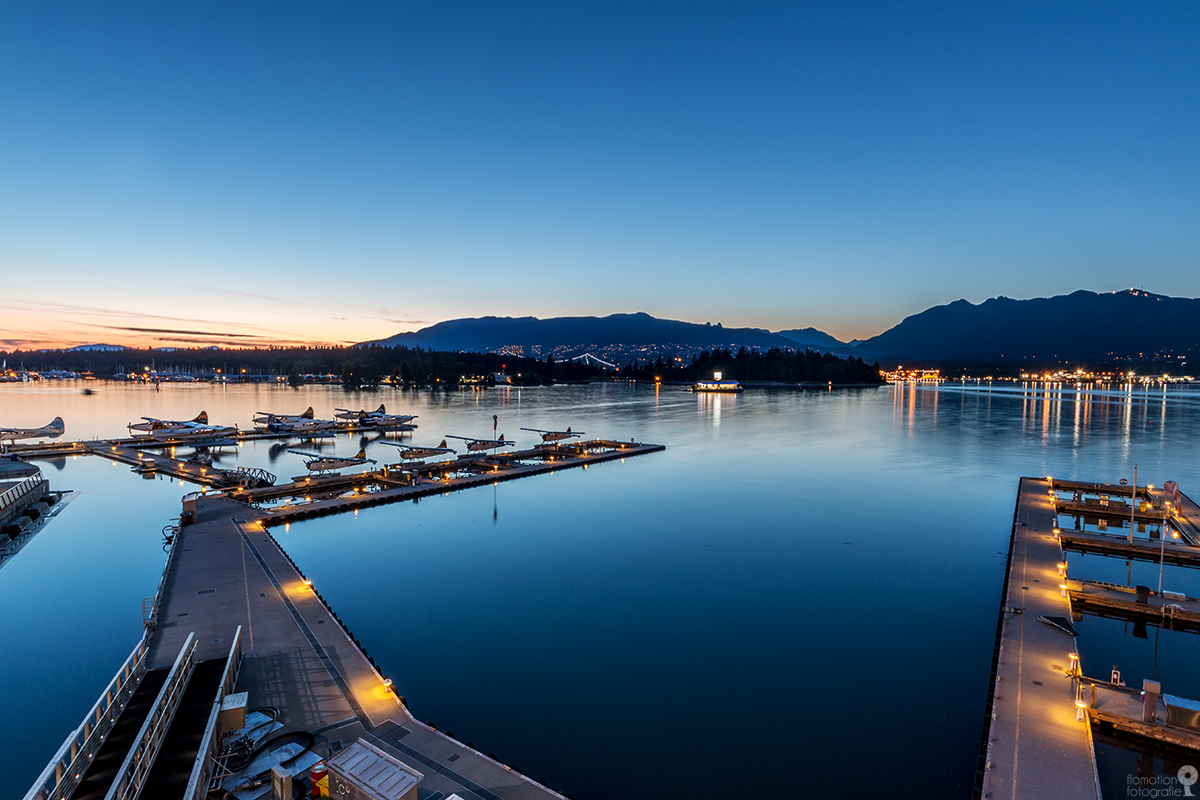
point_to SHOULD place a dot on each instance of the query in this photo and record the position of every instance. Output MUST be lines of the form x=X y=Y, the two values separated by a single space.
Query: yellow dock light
x=1063 y=586
x=1062 y=570
x=387 y=683
x=1080 y=707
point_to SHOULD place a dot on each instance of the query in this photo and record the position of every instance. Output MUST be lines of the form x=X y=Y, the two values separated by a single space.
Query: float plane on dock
x=151 y=424
x=321 y=464
x=266 y=418
x=52 y=431
x=554 y=436
x=379 y=418
x=481 y=445
x=409 y=452
x=197 y=428
x=301 y=427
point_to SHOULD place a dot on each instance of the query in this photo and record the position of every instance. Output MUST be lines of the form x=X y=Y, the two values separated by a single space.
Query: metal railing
x=70 y=763
x=150 y=610
x=15 y=494
x=210 y=743
x=137 y=764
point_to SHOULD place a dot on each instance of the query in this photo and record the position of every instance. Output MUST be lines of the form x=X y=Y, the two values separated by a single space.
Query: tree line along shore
x=372 y=365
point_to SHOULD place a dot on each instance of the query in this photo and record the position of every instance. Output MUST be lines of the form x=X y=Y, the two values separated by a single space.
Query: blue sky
x=343 y=171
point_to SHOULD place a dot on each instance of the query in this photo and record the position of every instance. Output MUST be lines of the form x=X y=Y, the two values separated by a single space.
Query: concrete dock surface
x=1037 y=748
x=228 y=572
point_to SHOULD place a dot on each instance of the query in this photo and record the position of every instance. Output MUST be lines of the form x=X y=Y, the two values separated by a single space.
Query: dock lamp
x=1080 y=711
x=1074 y=657
x=1063 y=588
x=1062 y=569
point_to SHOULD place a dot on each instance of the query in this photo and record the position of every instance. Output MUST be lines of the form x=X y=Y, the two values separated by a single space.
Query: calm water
x=797 y=598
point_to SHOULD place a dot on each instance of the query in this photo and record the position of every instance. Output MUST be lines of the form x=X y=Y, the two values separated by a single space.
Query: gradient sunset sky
x=249 y=173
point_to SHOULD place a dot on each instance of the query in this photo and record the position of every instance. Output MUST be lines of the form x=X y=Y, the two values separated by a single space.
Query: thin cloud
x=185 y=332
x=112 y=312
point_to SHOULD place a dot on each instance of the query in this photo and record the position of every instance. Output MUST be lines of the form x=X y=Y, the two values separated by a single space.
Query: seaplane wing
x=155 y=424
x=266 y=417
x=475 y=445
x=193 y=431
x=411 y=451
x=52 y=431
x=318 y=463
x=554 y=436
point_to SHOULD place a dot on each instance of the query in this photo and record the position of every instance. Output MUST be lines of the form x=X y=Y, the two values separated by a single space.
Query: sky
x=280 y=172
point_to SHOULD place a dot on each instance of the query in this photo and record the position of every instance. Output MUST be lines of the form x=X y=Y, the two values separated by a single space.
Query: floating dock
x=236 y=627
x=1034 y=744
x=317 y=496
x=1041 y=708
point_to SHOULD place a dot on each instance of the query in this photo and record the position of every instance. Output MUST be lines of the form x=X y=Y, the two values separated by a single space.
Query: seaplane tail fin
x=362 y=453
x=202 y=418
x=308 y=414
x=381 y=409
x=442 y=446
x=502 y=437
x=568 y=429
x=55 y=428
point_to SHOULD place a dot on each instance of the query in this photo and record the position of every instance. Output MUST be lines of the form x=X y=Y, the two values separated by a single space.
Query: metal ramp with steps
x=152 y=732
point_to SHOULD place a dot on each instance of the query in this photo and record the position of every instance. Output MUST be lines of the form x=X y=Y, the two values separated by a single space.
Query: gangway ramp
x=173 y=767
x=100 y=773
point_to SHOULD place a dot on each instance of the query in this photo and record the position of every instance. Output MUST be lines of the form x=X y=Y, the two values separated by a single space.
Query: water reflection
x=785 y=542
x=709 y=404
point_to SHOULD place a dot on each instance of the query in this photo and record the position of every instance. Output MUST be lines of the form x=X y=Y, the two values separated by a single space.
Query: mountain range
x=1081 y=326
x=622 y=337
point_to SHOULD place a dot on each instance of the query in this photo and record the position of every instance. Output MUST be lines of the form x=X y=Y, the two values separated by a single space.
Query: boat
x=717 y=385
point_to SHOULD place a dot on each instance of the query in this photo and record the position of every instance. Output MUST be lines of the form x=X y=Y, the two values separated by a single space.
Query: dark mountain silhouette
x=484 y=334
x=1081 y=326
x=811 y=337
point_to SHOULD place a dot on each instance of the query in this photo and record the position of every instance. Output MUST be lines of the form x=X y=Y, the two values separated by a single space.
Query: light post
x=1133 y=505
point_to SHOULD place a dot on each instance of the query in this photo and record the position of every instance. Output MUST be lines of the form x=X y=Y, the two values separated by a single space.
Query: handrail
x=62 y=774
x=197 y=788
x=27 y=485
x=137 y=764
x=151 y=620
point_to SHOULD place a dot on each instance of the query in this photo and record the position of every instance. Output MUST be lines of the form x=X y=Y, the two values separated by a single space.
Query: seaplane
x=321 y=464
x=196 y=432
x=554 y=436
x=197 y=428
x=265 y=418
x=302 y=427
x=52 y=431
x=409 y=452
x=481 y=445
x=377 y=418
x=151 y=424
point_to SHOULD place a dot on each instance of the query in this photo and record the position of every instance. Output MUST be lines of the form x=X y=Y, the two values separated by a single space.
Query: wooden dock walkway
x=1035 y=747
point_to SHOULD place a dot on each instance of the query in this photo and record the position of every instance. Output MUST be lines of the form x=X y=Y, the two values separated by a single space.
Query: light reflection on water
x=803 y=584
